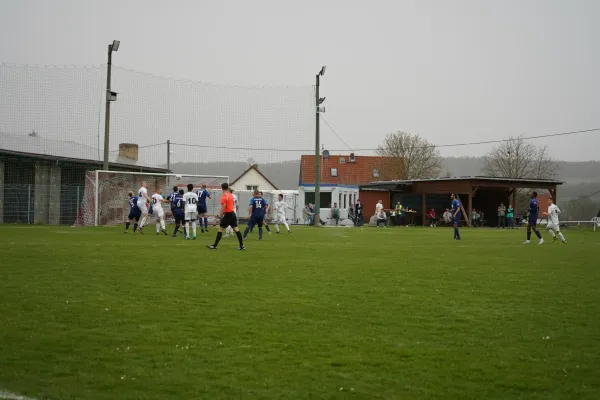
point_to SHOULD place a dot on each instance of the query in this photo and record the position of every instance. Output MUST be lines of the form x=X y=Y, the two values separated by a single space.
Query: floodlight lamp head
x=115 y=45
x=321 y=100
x=322 y=72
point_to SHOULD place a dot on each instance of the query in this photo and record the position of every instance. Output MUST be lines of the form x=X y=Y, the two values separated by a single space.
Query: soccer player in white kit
x=158 y=212
x=143 y=199
x=553 y=224
x=191 y=211
x=280 y=207
x=229 y=230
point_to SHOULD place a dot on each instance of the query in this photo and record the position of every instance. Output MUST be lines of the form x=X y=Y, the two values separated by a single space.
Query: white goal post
x=105 y=199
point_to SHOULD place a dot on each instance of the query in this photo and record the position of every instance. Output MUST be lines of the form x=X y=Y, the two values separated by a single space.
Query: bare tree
x=409 y=156
x=517 y=158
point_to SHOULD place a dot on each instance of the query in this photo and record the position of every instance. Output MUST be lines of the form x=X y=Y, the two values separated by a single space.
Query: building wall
x=369 y=200
x=342 y=195
x=252 y=178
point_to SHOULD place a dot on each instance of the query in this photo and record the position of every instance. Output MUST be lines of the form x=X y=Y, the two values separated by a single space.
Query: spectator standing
x=335 y=214
x=359 y=213
x=510 y=216
x=476 y=218
x=501 y=216
x=378 y=207
x=308 y=214
x=399 y=211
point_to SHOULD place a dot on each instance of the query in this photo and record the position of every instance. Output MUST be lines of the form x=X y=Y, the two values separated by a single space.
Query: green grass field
x=321 y=314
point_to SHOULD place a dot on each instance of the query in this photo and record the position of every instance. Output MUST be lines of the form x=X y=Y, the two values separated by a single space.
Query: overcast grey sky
x=451 y=71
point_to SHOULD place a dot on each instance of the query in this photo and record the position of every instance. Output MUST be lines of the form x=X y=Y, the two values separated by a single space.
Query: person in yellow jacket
x=399 y=214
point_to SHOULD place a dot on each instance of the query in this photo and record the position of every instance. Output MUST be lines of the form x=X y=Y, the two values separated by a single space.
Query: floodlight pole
x=318 y=102
x=168 y=156
x=107 y=115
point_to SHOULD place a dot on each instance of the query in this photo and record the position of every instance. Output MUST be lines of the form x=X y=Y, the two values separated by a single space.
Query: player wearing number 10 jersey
x=191 y=210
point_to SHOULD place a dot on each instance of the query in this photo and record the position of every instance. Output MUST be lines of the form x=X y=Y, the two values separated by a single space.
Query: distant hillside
x=581 y=178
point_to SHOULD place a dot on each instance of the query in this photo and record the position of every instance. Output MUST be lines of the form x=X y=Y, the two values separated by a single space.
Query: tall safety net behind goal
x=106 y=202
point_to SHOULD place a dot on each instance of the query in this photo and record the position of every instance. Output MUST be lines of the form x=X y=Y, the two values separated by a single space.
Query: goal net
x=106 y=201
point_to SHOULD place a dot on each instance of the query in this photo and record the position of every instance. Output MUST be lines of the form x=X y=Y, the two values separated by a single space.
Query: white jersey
x=191 y=202
x=157 y=205
x=142 y=194
x=280 y=207
x=553 y=212
x=235 y=203
x=378 y=208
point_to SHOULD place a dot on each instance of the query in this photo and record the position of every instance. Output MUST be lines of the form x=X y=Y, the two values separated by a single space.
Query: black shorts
x=202 y=209
x=179 y=218
x=229 y=219
x=134 y=216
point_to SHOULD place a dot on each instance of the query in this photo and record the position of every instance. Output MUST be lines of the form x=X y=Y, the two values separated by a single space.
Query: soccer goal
x=105 y=199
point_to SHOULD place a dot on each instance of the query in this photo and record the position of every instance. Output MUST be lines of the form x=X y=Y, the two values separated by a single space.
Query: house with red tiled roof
x=341 y=176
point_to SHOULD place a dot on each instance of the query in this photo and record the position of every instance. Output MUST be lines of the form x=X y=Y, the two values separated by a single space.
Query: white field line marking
x=13 y=396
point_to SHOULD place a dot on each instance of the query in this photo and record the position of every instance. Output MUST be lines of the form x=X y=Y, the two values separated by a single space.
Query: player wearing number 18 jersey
x=191 y=210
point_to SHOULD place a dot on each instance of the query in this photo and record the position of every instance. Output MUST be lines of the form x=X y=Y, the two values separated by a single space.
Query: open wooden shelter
x=483 y=193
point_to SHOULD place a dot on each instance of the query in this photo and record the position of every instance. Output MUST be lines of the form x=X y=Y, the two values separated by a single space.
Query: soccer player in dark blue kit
x=534 y=209
x=456 y=216
x=177 y=206
x=134 y=213
x=172 y=196
x=203 y=194
x=256 y=210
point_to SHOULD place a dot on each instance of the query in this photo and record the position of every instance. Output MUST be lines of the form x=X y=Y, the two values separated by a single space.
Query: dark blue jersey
x=456 y=207
x=534 y=208
x=177 y=204
x=133 y=203
x=133 y=208
x=171 y=197
x=203 y=194
x=258 y=207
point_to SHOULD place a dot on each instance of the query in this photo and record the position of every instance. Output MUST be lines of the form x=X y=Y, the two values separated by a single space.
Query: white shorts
x=279 y=219
x=552 y=226
x=191 y=215
x=158 y=211
x=143 y=208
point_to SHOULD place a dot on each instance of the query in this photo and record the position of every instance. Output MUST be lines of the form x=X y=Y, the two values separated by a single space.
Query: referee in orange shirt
x=228 y=218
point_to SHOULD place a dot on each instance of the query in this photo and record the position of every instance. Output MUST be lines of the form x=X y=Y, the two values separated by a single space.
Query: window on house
x=375 y=173
x=334 y=172
x=309 y=197
x=342 y=160
x=251 y=187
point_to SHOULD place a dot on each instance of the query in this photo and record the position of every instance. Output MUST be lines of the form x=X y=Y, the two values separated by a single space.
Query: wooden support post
x=469 y=209
x=514 y=199
x=553 y=194
x=424 y=209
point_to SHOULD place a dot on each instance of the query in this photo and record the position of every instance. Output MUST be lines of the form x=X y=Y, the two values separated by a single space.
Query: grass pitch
x=322 y=314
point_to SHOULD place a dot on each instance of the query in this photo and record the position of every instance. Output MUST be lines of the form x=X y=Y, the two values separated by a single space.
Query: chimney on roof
x=128 y=150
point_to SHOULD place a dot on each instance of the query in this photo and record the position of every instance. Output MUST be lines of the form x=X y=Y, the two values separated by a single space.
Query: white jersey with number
x=191 y=202
x=142 y=194
x=157 y=209
x=553 y=212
